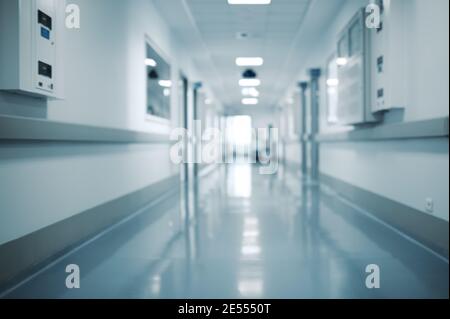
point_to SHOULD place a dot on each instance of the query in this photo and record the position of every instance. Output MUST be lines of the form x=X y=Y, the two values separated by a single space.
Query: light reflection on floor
x=248 y=236
x=239 y=181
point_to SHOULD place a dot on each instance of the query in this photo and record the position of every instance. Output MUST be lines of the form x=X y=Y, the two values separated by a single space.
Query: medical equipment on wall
x=388 y=57
x=353 y=59
x=371 y=65
x=31 y=46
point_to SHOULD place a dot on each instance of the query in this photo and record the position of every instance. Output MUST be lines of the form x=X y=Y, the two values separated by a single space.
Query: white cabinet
x=388 y=57
x=372 y=65
x=31 y=45
x=354 y=73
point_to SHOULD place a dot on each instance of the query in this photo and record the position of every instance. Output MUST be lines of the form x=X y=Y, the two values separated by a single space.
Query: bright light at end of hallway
x=239 y=130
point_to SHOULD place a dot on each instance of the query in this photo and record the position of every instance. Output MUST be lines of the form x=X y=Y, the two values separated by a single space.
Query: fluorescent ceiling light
x=249 y=101
x=249 y=1
x=249 y=82
x=341 y=61
x=150 y=62
x=249 y=61
x=165 y=83
x=250 y=92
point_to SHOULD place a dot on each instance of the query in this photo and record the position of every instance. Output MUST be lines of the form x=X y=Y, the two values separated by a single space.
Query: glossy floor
x=250 y=236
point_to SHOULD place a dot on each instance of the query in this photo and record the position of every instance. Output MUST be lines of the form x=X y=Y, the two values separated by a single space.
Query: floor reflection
x=250 y=281
x=251 y=248
x=237 y=234
x=239 y=181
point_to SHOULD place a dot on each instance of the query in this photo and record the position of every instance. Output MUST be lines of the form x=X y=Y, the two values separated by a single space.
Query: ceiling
x=209 y=28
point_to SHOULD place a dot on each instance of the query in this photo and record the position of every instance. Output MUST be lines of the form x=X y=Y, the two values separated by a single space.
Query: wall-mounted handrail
x=432 y=128
x=22 y=129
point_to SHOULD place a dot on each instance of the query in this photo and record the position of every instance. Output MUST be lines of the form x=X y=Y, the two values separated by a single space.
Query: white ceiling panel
x=271 y=29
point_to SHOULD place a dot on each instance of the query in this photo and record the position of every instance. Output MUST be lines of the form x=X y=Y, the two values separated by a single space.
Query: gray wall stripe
x=14 y=128
x=429 y=230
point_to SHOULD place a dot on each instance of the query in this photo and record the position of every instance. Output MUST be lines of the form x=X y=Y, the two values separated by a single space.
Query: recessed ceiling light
x=208 y=101
x=249 y=1
x=250 y=101
x=250 y=92
x=150 y=62
x=165 y=83
x=256 y=61
x=249 y=82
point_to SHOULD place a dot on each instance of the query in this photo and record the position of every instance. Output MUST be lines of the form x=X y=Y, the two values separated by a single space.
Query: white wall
x=428 y=61
x=411 y=171
x=105 y=75
x=105 y=81
x=408 y=172
x=45 y=184
x=263 y=119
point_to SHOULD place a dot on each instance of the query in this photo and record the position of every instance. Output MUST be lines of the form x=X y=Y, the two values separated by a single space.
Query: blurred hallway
x=224 y=149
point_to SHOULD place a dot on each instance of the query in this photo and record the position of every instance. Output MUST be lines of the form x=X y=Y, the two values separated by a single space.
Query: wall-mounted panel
x=353 y=59
x=388 y=57
x=31 y=46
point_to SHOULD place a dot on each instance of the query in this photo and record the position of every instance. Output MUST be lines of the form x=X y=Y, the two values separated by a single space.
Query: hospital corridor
x=255 y=150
